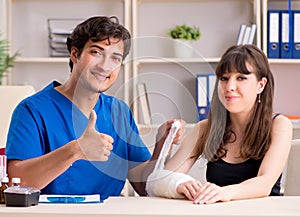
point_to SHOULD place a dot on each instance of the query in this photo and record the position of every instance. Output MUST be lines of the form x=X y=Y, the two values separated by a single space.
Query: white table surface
x=147 y=206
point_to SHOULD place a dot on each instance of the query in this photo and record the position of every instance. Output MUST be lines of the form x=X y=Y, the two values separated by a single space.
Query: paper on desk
x=166 y=146
x=53 y=198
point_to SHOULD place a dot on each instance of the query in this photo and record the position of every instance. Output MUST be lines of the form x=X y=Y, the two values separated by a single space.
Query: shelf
x=42 y=60
x=178 y=60
x=296 y=126
x=284 y=61
x=170 y=81
x=37 y=60
x=25 y=26
x=219 y=31
x=156 y=126
x=35 y=35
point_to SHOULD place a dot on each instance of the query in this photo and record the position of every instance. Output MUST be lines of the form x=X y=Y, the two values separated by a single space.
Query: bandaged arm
x=164 y=183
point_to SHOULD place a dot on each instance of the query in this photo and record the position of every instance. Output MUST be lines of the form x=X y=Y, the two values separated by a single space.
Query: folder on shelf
x=296 y=34
x=144 y=108
x=286 y=34
x=241 y=34
x=246 y=35
x=58 y=32
x=205 y=88
x=252 y=34
x=273 y=33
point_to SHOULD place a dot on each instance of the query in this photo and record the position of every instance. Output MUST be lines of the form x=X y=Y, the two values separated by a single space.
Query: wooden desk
x=147 y=207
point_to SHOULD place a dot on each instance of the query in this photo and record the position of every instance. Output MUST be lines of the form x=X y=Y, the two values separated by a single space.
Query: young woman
x=245 y=142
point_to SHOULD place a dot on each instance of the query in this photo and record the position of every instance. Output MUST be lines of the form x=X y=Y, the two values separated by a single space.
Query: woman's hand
x=189 y=189
x=211 y=193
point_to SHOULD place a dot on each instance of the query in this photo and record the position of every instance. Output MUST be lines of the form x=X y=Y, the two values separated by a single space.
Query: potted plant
x=6 y=60
x=184 y=35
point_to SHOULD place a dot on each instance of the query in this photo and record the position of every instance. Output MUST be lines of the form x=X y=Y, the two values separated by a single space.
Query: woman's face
x=238 y=92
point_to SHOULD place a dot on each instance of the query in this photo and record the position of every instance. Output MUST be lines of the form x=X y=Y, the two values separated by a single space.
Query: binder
x=286 y=34
x=296 y=34
x=144 y=107
x=246 y=35
x=252 y=34
x=273 y=33
x=205 y=88
x=241 y=34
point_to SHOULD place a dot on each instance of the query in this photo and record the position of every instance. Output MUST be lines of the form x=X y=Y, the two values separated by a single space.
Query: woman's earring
x=259 y=101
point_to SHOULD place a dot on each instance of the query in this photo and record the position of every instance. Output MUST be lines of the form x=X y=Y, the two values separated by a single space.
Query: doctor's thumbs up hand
x=95 y=146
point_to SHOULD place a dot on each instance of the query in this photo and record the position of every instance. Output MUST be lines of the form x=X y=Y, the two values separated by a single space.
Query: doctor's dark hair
x=98 y=28
x=218 y=133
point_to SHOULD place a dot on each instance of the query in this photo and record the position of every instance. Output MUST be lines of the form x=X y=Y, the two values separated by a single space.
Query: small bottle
x=4 y=185
x=16 y=181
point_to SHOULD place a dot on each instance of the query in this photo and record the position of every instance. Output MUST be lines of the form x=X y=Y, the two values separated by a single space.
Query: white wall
x=1 y=19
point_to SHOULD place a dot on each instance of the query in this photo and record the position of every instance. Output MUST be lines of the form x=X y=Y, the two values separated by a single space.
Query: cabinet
x=286 y=71
x=171 y=82
x=26 y=28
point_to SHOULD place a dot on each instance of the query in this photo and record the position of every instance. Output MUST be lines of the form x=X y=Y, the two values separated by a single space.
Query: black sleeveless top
x=222 y=173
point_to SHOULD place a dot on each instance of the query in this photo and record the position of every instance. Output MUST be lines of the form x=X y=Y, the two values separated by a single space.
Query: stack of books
x=59 y=30
x=246 y=34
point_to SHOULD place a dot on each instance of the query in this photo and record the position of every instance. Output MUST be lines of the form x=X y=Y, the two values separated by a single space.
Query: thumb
x=92 y=120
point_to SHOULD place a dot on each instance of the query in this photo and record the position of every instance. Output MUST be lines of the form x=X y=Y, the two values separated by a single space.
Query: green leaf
x=6 y=60
x=185 y=32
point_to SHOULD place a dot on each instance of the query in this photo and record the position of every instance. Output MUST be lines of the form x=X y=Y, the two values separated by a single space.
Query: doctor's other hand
x=95 y=146
x=164 y=129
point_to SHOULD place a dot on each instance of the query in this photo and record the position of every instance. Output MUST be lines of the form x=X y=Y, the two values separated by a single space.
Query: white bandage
x=164 y=183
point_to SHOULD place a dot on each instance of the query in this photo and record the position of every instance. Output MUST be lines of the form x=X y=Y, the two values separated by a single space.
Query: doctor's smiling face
x=98 y=65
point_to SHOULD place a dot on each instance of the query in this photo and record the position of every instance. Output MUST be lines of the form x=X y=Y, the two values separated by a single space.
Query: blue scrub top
x=48 y=120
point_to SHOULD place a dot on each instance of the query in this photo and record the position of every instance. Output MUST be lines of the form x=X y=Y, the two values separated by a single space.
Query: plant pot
x=183 y=48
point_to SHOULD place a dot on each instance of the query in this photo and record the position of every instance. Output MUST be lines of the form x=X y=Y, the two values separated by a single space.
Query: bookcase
x=286 y=71
x=171 y=81
x=25 y=25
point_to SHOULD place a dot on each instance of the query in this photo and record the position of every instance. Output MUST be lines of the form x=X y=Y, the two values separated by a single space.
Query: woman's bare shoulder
x=194 y=133
x=282 y=121
x=282 y=127
x=201 y=125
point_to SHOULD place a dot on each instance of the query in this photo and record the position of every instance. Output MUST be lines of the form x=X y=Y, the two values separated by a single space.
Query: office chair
x=10 y=96
x=292 y=177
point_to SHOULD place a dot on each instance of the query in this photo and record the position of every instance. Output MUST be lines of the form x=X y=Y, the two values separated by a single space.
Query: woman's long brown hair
x=256 y=141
